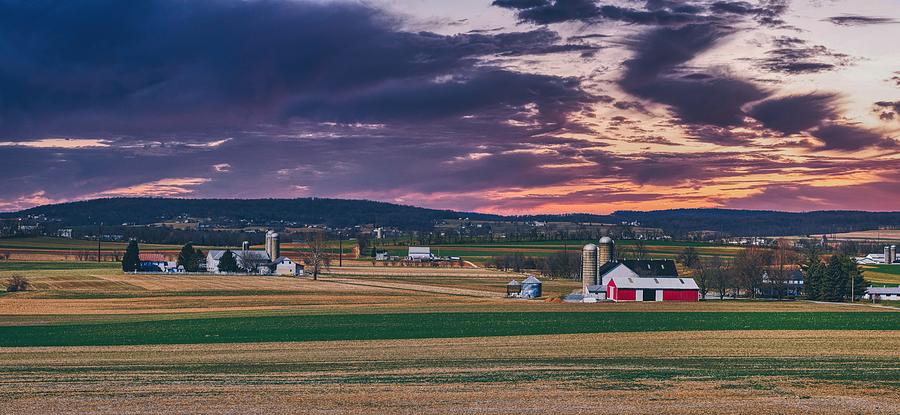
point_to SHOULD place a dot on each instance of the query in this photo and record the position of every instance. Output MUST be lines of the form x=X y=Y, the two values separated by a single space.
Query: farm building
x=155 y=263
x=513 y=288
x=790 y=287
x=286 y=266
x=882 y=293
x=600 y=266
x=420 y=253
x=531 y=288
x=264 y=262
x=652 y=289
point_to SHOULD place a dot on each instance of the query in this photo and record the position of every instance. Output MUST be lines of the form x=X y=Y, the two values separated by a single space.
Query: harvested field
x=735 y=372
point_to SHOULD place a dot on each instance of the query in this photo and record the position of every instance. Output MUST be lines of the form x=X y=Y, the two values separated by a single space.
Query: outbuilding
x=652 y=289
x=882 y=293
x=513 y=288
x=531 y=287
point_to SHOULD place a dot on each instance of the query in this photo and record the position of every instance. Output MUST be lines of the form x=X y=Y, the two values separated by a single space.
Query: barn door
x=649 y=295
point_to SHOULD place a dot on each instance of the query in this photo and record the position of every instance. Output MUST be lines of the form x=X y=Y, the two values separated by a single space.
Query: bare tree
x=4 y=255
x=749 y=266
x=640 y=249
x=716 y=273
x=785 y=260
x=315 y=255
x=251 y=261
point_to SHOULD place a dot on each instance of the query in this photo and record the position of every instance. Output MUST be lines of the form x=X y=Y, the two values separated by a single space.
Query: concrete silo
x=887 y=254
x=607 y=251
x=588 y=266
x=893 y=254
x=273 y=245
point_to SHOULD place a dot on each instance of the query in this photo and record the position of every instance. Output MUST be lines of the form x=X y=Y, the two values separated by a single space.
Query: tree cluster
x=838 y=279
x=190 y=258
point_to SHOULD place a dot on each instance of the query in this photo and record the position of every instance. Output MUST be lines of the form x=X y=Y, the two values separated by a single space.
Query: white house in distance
x=420 y=253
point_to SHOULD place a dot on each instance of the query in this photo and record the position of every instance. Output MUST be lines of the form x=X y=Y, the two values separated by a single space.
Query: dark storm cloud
x=856 y=20
x=794 y=56
x=654 y=73
x=110 y=68
x=795 y=113
x=473 y=92
x=850 y=138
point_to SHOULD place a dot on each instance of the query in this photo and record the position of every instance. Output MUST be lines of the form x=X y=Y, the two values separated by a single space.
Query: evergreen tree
x=228 y=263
x=812 y=280
x=834 y=283
x=132 y=259
x=188 y=258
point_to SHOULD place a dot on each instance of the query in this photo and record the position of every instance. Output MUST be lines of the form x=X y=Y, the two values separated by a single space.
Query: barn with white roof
x=627 y=288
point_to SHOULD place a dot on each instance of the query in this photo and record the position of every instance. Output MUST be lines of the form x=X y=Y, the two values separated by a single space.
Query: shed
x=513 y=288
x=652 y=289
x=531 y=287
x=882 y=293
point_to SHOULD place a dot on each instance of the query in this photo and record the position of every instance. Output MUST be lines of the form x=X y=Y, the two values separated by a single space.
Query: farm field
x=737 y=372
x=480 y=252
x=870 y=235
x=365 y=339
x=882 y=274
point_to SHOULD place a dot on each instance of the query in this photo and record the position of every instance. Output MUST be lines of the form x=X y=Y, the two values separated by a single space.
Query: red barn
x=652 y=289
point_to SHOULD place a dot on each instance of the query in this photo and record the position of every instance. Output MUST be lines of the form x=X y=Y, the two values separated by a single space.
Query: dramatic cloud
x=795 y=56
x=544 y=105
x=556 y=11
x=850 y=137
x=214 y=67
x=887 y=110
x=796 y=113
x=654 y=74
x=856 y=20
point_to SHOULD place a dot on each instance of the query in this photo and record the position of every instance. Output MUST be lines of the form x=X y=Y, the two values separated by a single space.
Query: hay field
x=737 y=372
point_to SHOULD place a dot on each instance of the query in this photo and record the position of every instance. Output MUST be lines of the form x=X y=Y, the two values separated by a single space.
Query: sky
x=504 y=106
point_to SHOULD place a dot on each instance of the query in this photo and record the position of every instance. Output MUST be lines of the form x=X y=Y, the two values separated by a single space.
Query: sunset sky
x=510 y=106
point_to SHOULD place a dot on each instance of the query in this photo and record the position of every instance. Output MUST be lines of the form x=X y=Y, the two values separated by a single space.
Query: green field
x=882 y=274
x=424 y=325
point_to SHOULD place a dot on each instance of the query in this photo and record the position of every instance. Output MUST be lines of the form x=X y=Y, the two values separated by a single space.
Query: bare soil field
x=736 y=372
x=870 y=235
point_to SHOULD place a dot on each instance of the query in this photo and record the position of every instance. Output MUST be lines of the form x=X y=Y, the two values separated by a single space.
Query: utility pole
x=99 y=238
x=341 y=245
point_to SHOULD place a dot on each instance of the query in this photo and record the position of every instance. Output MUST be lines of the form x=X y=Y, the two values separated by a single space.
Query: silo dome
x=606 y=240
x=589 y=247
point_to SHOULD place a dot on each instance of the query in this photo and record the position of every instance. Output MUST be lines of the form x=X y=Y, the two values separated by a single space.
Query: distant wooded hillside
x=344 y=213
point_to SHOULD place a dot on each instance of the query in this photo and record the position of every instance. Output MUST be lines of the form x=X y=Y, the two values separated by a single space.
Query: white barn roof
x=655 y=283
x=883 y=290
